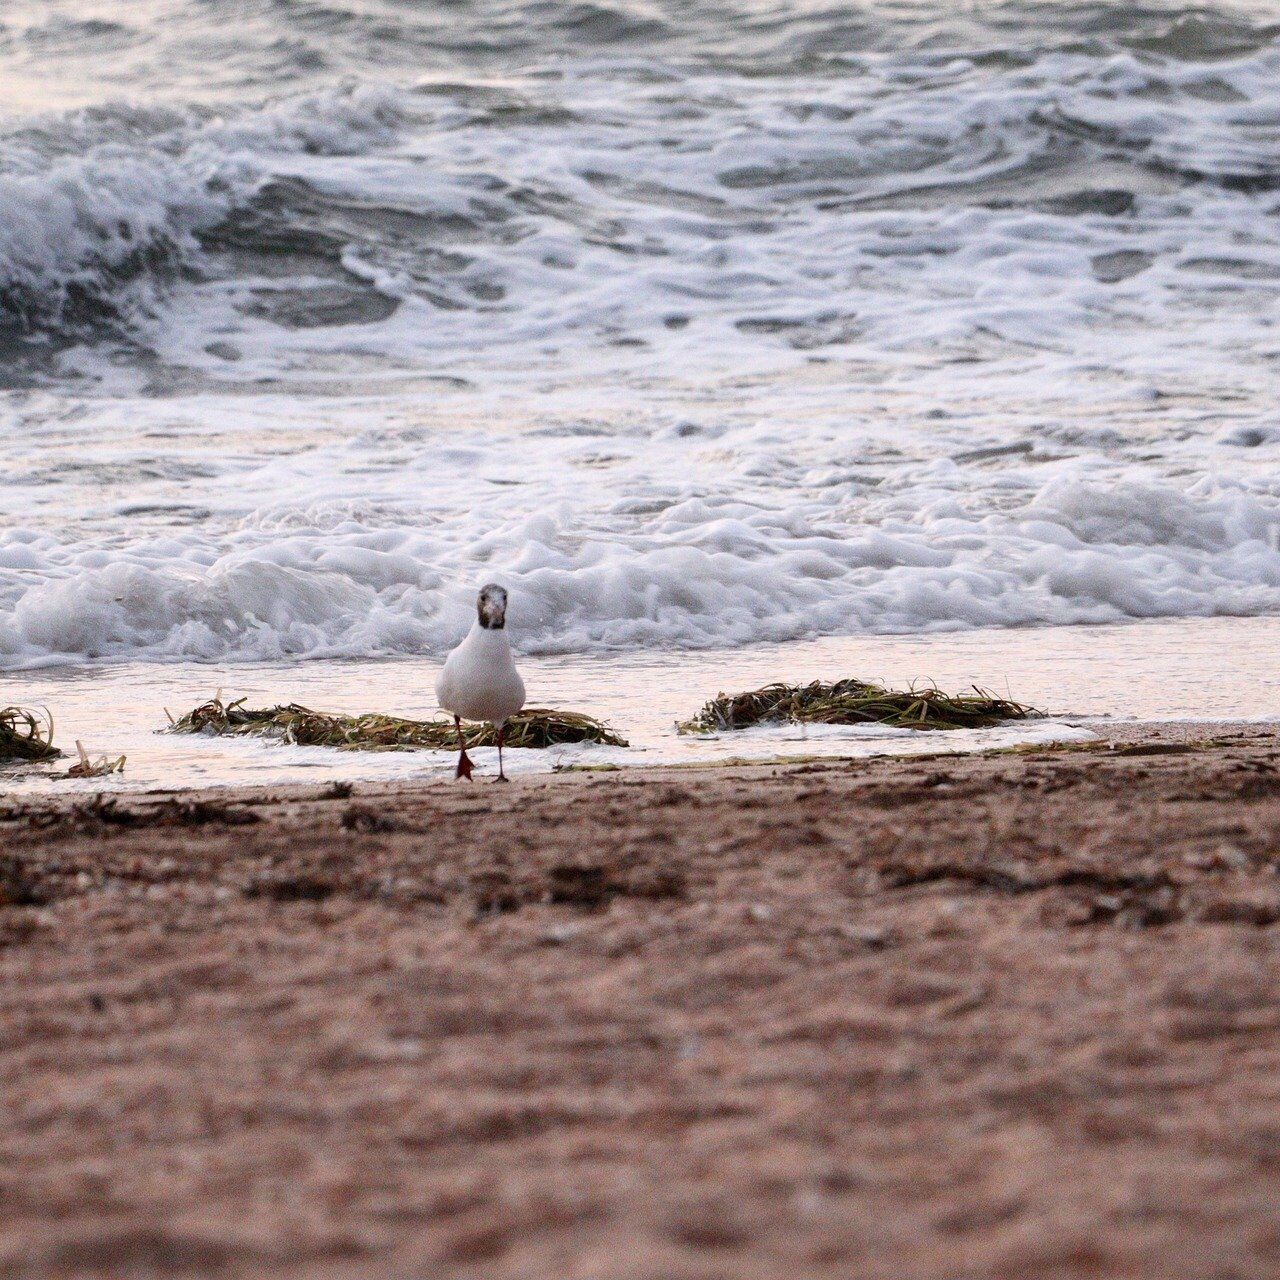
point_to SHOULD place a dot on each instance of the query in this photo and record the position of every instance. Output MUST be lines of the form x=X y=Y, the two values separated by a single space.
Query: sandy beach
x=1000 y=1016
x=698 y=400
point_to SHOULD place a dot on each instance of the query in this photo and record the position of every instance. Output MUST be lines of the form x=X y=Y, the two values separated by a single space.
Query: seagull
x=479 y=680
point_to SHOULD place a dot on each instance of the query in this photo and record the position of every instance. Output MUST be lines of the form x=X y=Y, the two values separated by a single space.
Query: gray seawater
x=152 y=129
x=696 y=324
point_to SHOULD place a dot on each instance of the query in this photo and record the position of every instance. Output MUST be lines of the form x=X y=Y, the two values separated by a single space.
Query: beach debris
x=365 y=817
x=106 y=811
x=284 y=886
x=855 y=702
x=18 y=886
x=26 y=734
x=99 y=768
x=301 y=726
x=579 y=886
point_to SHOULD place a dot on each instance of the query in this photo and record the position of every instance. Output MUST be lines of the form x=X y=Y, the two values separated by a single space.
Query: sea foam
x=685 y=351
x=702 y=572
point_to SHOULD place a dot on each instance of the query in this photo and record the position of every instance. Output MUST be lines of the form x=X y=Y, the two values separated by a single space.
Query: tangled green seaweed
x=855 y=702
x=534 y=727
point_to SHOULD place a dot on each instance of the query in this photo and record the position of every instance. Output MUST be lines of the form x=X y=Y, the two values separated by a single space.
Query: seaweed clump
x=26 y=735
x=855 y=702
x=86 y=767
x=297 y=725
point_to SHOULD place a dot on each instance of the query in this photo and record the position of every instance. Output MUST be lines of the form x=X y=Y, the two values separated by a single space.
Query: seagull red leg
x=502 y=777
x=464 y=760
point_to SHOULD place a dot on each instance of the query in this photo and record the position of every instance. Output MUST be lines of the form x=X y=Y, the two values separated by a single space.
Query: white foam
x=705 y=565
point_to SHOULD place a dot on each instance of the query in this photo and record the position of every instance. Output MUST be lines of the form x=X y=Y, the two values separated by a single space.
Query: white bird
x=480 y=680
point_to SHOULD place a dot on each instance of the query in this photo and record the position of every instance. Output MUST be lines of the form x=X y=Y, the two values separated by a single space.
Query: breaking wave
x=88 y=236
x=697 y=573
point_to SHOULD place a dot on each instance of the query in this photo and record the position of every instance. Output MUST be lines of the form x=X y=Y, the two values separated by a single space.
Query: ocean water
x=1083 y=680
x=698 y=325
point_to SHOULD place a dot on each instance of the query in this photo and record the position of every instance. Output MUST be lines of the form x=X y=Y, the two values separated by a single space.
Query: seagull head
x=492 y=607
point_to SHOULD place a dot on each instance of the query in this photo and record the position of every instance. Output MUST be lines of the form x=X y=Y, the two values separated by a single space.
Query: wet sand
x=1010 y=1016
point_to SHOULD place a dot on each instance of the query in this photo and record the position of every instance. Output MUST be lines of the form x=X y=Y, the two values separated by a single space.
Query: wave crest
x=85 y=239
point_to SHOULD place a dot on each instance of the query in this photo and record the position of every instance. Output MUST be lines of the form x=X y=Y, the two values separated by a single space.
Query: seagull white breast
x=479 y=680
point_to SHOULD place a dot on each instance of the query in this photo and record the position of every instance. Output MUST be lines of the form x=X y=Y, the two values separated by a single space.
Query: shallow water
x=704 y=324
x=1214 y=669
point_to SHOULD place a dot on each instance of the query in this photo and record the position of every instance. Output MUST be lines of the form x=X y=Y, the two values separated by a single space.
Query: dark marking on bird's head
x=492 y=607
